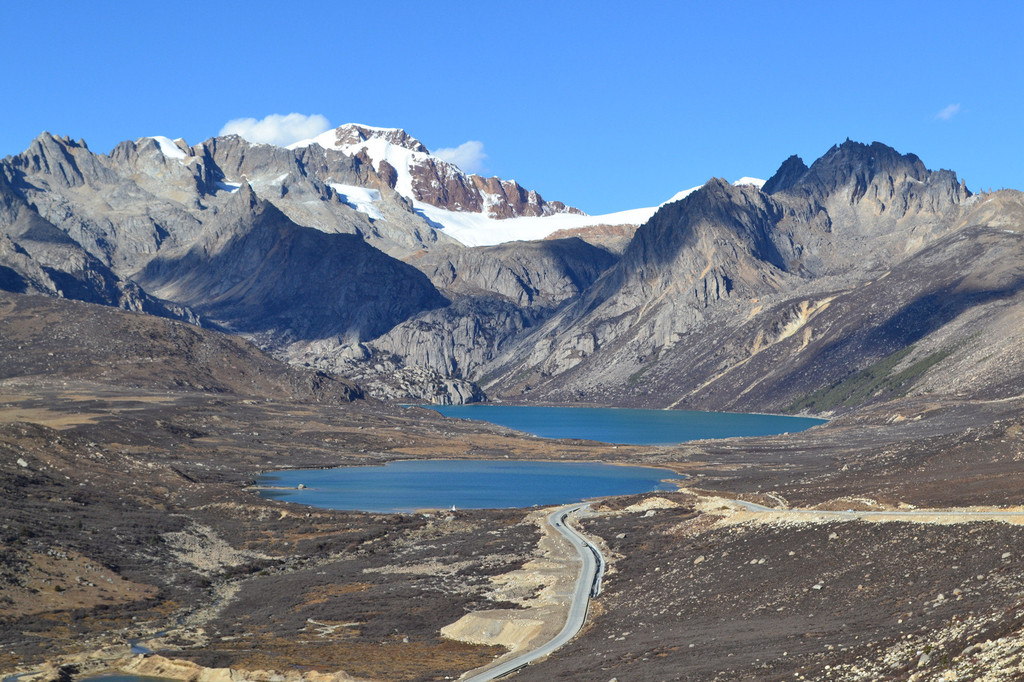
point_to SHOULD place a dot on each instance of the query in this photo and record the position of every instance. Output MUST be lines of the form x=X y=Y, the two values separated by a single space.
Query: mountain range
x=861 y=277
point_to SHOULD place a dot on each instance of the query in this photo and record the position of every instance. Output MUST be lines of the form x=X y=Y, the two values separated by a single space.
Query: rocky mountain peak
x=717 y=213
x=48 y=153
x=246 y=197
x=352 y=134
x=850 y=158
x=67 y=163
x=845 y=164
x=789 y=173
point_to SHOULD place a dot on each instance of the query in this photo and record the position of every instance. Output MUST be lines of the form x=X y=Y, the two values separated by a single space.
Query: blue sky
x=602 y=105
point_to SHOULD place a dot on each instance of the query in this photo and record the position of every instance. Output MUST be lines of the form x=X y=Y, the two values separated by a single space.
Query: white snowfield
x=472 y=229
x=477 y=229
x=359 y=198
x=167 y=146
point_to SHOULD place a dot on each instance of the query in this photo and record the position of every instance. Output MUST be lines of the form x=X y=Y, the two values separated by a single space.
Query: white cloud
x=469 y=156
x=948 y=113
x=277 y=129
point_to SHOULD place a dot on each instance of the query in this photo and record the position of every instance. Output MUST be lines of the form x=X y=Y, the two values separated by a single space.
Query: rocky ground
x=127 y=517
x=695 y=596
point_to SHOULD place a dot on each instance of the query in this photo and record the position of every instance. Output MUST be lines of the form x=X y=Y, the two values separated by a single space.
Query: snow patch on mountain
x=378 y=147
x=680 y=195
x=405 y=153
x=756 y=182
x=420 y=175
x=168 y=147
x=745 y=180
x=359 y=198
x=477 y=229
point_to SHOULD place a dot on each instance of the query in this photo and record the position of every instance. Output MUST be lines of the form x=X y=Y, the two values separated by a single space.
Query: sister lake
x=407 y=486
x=628 y=427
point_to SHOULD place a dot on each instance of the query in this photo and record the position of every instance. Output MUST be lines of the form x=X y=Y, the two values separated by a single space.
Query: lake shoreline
x=586 y=406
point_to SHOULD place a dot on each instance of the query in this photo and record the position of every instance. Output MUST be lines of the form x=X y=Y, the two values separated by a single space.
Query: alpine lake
x=417 y=485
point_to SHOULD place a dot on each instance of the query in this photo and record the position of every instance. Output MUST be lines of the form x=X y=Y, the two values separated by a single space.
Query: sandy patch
x=44 y=417
x=542 y=586
x=62 y=581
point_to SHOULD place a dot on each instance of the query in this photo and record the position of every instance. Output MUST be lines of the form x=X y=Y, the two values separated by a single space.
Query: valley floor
x=127 y=517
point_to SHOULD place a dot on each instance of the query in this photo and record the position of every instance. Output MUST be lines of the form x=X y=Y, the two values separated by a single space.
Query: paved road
x=588 y=585
x=965 y=514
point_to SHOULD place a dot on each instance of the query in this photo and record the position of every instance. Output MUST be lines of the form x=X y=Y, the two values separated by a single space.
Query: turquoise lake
x=622 y=426
x=411 y=485
x=474 y=484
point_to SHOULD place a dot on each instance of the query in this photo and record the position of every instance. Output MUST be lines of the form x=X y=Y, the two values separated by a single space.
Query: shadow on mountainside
x=932 y=311
x=879 y=348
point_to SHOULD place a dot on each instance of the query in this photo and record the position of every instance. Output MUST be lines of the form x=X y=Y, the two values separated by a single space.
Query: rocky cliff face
x=262 y=239
x=498 y=293
x=713 y=247
x=529 y=274
x=943 y=321
x=724 y=255
x=863 y=206
x=38 y=257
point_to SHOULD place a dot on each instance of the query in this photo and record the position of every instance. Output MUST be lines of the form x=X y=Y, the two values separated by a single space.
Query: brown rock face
x=388 y=173
x=442 y=184
x=445 y=185
x=509 y=199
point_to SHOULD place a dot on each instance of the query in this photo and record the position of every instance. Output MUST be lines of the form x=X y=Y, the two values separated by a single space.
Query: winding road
x=588 y=584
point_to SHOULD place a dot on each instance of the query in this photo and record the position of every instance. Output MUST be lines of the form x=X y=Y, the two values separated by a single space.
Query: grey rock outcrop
x=281 y=259
x=302 y=184
x=863 y=206
x=37 y=257
x=499 y=292
x=459 y=339
x=383 y=375
x=529 y=274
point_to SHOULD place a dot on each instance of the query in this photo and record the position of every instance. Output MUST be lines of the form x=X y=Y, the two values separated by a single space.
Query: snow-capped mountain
x=476 y=211
x=416 y=174
x=469 y=208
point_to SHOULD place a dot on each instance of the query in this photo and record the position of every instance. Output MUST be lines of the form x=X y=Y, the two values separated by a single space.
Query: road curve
x=588 y=584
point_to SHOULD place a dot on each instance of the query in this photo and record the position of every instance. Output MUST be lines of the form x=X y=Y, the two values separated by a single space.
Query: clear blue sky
x=602 y=105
